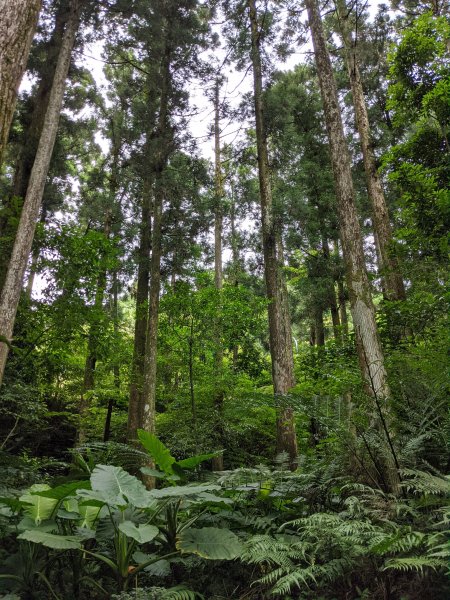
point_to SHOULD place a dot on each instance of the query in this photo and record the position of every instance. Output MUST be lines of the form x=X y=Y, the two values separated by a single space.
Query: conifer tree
x=18 y=19
x=370 y=353
x=279 y=320
x=12 y=288
x=389 y=268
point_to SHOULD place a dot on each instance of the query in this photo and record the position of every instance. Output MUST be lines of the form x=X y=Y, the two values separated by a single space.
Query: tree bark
x=332 y=295
x=217 y=461
x=35 y=257
x=13 y=284
x=394 y=288
x=235 y=258
x=342 y=307
x=12 y=204
x=280 y=334
x=320 y=329
x=116 y=367
x=150 y=362
x=140 y=324
x=163 y=139
x=363 y=312
x=17 y=26
x=368 y=344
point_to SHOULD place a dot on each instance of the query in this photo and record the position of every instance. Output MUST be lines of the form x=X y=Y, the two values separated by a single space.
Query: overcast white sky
x=236 y=85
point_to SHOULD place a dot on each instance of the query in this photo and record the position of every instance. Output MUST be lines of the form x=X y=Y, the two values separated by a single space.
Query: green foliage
x=418 y=165
x=210 y=542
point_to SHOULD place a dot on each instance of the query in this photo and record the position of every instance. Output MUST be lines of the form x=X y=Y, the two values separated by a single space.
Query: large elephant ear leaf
x=157 y=450
x=116 y=484
x=51 y=540
x=37 y=507
x=141 y=533
x=89 y=513
x=210 y=542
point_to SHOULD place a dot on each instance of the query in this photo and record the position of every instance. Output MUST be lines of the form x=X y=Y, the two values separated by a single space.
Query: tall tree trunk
x=368 y=345
x=279 y=327
x=150 y=362
x=217 y=462
x=164 y=142
x=363 y=312
x=336 y=321
x=140 y=324
x=18 y=20
x=35 y=256
x=235 y=258
x=13 y=284
x=234 y=237
x=389 y=268
x=332 y=295
x=12 y=204
x=116 y=367
x=341 y=292
x=319 y=327
x=191 y=378
x=342 y=307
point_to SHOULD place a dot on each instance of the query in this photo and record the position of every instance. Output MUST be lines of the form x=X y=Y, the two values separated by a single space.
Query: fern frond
x=421 y=482
x=181 y=593
x=414 y=563
x=400 y=541
x=294 y=580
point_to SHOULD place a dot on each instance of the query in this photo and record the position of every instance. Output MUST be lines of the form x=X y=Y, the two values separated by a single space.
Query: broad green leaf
x=210 y=542
x=142 y=533
x=157 y=450
x=89 y=515
x=38 y=507
x=29 y=523
x=71 y=504
x=184 y=490
x=62 y=491
x=99 y=498
x=207 y=497
x=193 y=461
x=114 y=484
x=51 y=540
x=68 y=515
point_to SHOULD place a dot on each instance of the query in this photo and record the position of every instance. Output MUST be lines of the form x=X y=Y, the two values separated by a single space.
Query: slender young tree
x=18 y=19
x=218 y=271
x=279 y=323
x=392 y=280
x=12 y=288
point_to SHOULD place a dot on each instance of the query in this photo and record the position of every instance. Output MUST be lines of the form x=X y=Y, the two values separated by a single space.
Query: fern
x=111 y=453
x=414 y=563
x=180 y=593
x=295 y=579
x=421 y=482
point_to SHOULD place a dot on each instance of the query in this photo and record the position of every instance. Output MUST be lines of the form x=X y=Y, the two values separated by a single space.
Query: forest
x=223 y=303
